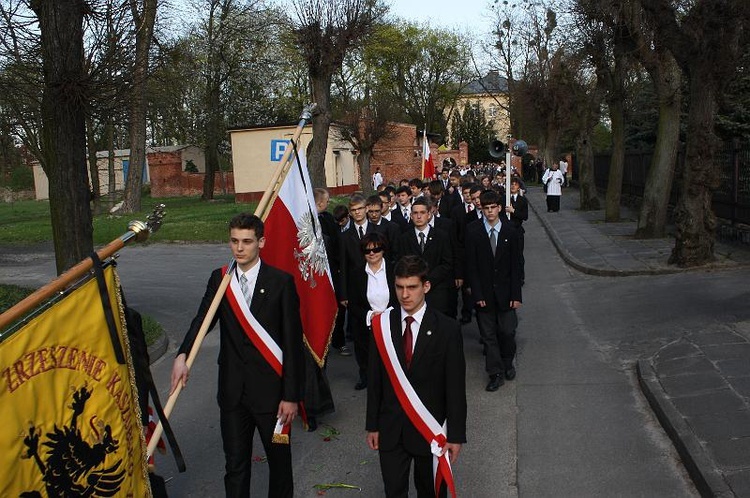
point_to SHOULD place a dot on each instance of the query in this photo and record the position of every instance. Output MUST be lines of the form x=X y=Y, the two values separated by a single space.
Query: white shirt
x=252 y=277
x=426 y=233
x=377 y=179
x=418 y=318
x=364 y=228
x=497 y=227
x=378 y=294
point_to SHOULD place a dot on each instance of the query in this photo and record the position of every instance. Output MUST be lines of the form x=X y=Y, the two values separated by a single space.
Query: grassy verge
x=11 y=294
x=188 y=219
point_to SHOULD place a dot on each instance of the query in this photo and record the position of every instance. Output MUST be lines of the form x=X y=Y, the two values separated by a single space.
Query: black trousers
x=498 y=330
x=361 y=333
x=520 y=251
x=467 y=304
x=553 y=203
x=238 y=426
x=395 y=466
x=337 y=336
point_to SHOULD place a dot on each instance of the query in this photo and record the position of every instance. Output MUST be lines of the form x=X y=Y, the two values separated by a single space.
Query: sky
x=463 y=15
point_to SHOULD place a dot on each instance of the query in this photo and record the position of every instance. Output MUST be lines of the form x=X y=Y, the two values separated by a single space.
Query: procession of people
x=410 y=265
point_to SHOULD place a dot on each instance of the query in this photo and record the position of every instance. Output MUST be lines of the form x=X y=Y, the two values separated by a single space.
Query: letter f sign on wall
x=278 y=147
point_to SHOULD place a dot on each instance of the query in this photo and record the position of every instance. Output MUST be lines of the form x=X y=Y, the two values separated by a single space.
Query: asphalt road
x=573 y=424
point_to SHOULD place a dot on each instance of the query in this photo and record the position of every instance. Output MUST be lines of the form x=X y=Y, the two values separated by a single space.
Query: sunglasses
x=372 y=250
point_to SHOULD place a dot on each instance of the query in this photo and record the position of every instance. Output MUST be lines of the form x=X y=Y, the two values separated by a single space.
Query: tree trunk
x=112 y=180
x=550 y=143
x=63 y=133
x=316 y=153
x=617 y=163
x=589 y=200
x=652 y=219
x=96 y=194
x=363 y=161
x=696 y=222
x=213 y=137
x=145 y=27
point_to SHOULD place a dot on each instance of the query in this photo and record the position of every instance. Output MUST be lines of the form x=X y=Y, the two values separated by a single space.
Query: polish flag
x=294 y=243
x=428 y=165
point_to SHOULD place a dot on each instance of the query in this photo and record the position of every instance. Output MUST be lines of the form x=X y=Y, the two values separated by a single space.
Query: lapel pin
x=429 y=332
x=262 y=291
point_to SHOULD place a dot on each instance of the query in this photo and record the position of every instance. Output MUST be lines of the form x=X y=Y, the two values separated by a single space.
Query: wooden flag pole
x=262 y=212
x=137 y=230
x=424 y=138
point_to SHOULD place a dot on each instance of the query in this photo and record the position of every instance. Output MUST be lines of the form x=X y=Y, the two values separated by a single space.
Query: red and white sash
x=260 y=338
x=430 y=429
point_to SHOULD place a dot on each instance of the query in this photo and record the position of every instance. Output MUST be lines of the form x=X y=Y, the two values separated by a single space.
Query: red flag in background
x=294 y=243
x=428 y=165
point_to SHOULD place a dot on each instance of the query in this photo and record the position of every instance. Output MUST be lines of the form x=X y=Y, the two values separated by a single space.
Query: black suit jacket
x=439 y=256
x=399 y=220
x=275 y=305
x=391 y=231
x=521 y=212
x=351 y=256
x=438 y=375
x=493 y=279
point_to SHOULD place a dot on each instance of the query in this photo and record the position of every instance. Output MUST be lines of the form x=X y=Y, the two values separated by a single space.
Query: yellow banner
x=70 y=417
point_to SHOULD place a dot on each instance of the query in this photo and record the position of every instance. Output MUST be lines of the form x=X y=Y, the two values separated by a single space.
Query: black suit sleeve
x=293 y=375
x=455 y=374
x=211 y=287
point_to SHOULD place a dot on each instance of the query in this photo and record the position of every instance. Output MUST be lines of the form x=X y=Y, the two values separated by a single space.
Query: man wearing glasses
x=494 y=275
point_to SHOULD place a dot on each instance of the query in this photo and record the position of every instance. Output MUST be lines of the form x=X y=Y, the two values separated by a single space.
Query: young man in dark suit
x=519 y=212
x=434 y=246
x=439 y=198
x=493 y=272
x=352 y=260
x=252 y=395
x=429 y=349
x=390 y=229
x=390 y=211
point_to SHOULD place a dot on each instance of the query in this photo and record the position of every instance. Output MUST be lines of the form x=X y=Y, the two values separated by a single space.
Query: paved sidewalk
x=699 y=385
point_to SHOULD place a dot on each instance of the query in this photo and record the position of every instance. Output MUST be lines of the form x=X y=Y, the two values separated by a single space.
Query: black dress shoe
x=312 y=424
x=495 y=382
x=510 y=374
x=361 y=384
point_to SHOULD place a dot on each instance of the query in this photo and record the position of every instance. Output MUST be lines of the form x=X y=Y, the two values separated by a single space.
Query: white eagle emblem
x=311 y=258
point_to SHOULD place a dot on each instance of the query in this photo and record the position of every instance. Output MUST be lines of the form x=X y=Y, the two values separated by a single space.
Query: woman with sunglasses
x=372 y=290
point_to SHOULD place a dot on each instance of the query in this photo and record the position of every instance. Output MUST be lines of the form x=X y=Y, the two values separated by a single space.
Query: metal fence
x=731 y=201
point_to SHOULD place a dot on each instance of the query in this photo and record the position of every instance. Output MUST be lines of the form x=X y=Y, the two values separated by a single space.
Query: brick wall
x=399 y=154
x=168 y=179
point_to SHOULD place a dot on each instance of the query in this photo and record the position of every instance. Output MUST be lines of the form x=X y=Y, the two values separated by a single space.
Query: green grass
x=187 y=219
x=12 y=294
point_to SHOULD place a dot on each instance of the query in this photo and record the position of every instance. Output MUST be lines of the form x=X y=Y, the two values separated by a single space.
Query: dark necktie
x=493 y=240
x=361 y=232
x=421 y=241
x=408 y=340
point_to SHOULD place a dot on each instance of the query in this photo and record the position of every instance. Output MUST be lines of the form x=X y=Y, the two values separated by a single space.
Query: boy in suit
x=493 y=272
x=429 y=349
x=252 y=395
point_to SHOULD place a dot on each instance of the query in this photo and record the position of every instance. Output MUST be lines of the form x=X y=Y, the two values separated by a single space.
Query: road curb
x=158 y=348
x=699 y=465
x=606 y=272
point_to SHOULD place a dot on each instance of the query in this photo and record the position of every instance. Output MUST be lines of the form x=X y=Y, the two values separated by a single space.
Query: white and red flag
x=428 y=165
x=294 y=243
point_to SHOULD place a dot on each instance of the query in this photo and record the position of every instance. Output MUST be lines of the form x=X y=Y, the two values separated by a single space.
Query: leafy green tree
x=472 y=126
x=424 y=68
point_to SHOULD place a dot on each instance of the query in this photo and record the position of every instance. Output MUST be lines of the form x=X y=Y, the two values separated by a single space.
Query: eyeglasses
x=372 y=250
